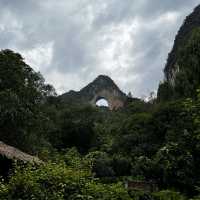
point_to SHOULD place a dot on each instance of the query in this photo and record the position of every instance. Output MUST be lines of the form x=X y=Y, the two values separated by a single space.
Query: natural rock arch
x=102 y=87
x=113 y=98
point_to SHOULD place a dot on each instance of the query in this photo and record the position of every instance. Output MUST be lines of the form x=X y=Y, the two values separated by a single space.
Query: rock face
x=103 y=87
x=182 y=71
x=191 y=22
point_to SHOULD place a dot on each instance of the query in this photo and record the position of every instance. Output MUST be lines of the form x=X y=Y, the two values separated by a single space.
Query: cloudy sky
x=72 y=41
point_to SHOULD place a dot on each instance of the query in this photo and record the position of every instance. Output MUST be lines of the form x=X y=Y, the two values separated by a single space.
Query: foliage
x=22 y=95
x=165 y=92
x=168 y=195
x=176 y=166
x=186 y=76
x=58 y=181
x=187 y=80
x=88 y=150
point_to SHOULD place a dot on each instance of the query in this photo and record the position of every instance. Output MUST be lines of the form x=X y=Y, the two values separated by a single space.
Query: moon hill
x=103 y=87
x=181 y=73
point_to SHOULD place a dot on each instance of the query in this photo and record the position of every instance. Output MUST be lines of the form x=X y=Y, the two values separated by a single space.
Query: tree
x=58 y=181
x=175 y=166
x=130 y=95
x=74 y=128
x=165 y=92
x=22 y=95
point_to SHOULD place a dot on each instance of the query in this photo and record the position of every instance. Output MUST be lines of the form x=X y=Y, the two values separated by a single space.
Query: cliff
x=191 y=22
x=182 y=70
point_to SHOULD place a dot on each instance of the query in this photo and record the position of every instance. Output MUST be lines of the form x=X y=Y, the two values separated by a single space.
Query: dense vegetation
x=89 y=153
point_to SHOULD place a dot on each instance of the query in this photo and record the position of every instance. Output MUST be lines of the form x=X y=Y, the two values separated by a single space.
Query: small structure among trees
x=13 y=153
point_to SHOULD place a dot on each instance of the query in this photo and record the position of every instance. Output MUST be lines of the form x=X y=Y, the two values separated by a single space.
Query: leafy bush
x=168 y=195
x=57 y=181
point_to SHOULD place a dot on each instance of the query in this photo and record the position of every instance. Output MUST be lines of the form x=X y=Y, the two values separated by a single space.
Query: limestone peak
x=101 y=87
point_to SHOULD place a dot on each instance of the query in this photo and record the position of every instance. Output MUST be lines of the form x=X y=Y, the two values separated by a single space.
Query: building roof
x=13 y=153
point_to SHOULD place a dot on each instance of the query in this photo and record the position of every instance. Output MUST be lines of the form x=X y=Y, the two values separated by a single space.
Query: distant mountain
x=103 y=87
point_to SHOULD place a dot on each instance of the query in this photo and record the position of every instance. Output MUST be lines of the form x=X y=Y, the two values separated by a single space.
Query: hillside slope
x=182 y=70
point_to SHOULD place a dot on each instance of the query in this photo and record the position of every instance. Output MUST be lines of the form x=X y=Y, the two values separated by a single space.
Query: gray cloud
x=71 y=42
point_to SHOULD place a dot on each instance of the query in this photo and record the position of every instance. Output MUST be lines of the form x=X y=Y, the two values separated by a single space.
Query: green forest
x=144 y=151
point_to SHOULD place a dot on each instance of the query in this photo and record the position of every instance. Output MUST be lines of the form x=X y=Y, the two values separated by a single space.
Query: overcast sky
x=72 y=41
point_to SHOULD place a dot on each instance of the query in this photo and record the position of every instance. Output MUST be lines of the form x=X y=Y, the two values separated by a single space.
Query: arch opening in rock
x=103 y=87
x=102 y=102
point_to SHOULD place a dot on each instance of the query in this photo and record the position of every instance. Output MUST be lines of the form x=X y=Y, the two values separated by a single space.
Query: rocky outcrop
x=182 y=71
x=103 y=87
x=191 y=22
